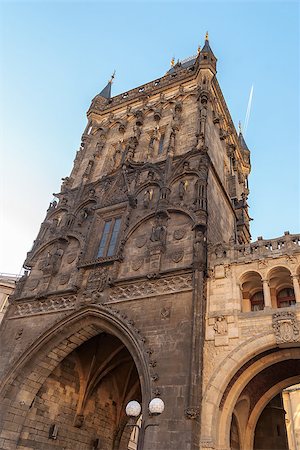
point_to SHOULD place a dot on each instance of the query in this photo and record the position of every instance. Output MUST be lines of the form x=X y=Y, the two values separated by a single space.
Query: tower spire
x=207 y=57
x=106 y=92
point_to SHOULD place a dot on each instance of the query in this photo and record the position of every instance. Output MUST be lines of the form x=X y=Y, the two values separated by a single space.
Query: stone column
x=296 y=287
x=267 y=294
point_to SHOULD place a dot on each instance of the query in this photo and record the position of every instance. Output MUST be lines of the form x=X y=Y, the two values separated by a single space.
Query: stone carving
x=156 y=392
x=52 y=262
x=159 y=231
x=199 y=249
x=78 y=421
x=71 y=257
x=155 y=377
x=19 y=334
x=179 y=234
x=220 y=325
x=286 y=327
x=32 y=284
x=177 y=255
x=97 y=279
x=148 y=195
x=192 y=413
x=137 y=264
x=64 y=278
x=207 y=443
x=152 y=287
x=141 y=241
x=182 y=189
x=43 y=306
x=165 y=313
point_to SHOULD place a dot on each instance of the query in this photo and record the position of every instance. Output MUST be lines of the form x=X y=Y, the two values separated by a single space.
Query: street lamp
x=133 y=410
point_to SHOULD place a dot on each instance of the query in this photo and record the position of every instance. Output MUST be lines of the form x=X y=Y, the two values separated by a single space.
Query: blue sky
x=56 y=56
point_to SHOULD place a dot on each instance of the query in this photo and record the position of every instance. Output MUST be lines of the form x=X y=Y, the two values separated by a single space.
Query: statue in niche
x=148 y=194
x=88 y=169
x=52 y=262
x=182 y=189
x=117 y=158
x=159 y=232
x=152 y=141
x=199 y=248
x=172 y=141
x=176 y=116
x=131 y=146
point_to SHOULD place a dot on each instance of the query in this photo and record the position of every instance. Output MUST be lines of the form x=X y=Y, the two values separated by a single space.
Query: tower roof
x=206 y=48
x=106 y=92
x=242 y=141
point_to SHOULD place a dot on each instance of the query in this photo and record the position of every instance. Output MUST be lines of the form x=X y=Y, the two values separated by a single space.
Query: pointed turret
x=106 y=92
x=207 y=57
x=244 y=148
x=105 y=95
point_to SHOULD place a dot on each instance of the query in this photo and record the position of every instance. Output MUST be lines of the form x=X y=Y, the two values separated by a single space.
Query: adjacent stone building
x=142 y=283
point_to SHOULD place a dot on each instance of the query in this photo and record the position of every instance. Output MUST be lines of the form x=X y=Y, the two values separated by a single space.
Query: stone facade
x=140 y=281
x=7 y=285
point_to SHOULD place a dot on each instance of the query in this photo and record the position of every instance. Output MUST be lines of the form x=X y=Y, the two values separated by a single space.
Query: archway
x=74 y=381
x=241 y=387
x=257 y=406
x=83 y=400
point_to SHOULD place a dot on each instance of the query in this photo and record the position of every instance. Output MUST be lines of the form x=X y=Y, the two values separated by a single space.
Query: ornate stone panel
x=151 y=288
x=286 y=327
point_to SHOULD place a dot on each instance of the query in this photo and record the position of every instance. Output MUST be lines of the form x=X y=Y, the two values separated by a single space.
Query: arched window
x=286 y=297
x=257 y=301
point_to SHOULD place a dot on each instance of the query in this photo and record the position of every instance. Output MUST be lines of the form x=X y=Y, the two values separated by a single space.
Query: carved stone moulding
x=151 y=288
x=37 y=307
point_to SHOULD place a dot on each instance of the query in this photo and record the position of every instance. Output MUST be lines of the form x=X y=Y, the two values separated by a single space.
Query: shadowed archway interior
x=84 y=398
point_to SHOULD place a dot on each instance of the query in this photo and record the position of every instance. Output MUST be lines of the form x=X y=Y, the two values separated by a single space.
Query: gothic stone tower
x=112 y=304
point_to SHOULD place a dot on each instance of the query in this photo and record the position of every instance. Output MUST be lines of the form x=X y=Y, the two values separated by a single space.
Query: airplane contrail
x=248 y=110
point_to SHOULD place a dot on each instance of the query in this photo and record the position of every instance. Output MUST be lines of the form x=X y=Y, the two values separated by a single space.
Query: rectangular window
x=161 y=144
x=109 y=237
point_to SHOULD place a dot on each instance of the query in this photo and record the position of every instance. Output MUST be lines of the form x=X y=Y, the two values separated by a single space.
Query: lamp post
x=133 y=410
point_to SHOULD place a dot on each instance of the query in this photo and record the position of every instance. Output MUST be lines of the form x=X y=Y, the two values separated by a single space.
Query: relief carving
x=152 y=287
x=176 y=255
x=179 y=234
x=286 y=327
x=43 y=306
x=165 y=313
x=192 y=413
x=137 y=264
x=220 y=325
x=97 y=279
x=141 y=241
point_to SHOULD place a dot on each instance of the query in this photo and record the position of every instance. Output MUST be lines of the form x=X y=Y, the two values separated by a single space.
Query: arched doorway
x=242 y=386
x=70 y=387
x=258 y=409
x=82 y=402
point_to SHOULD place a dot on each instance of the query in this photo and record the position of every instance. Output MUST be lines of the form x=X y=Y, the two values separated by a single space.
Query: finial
x=240 y=127
x=198 y=50
x=112 y=77
x=206 y=36
x=172 y=61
